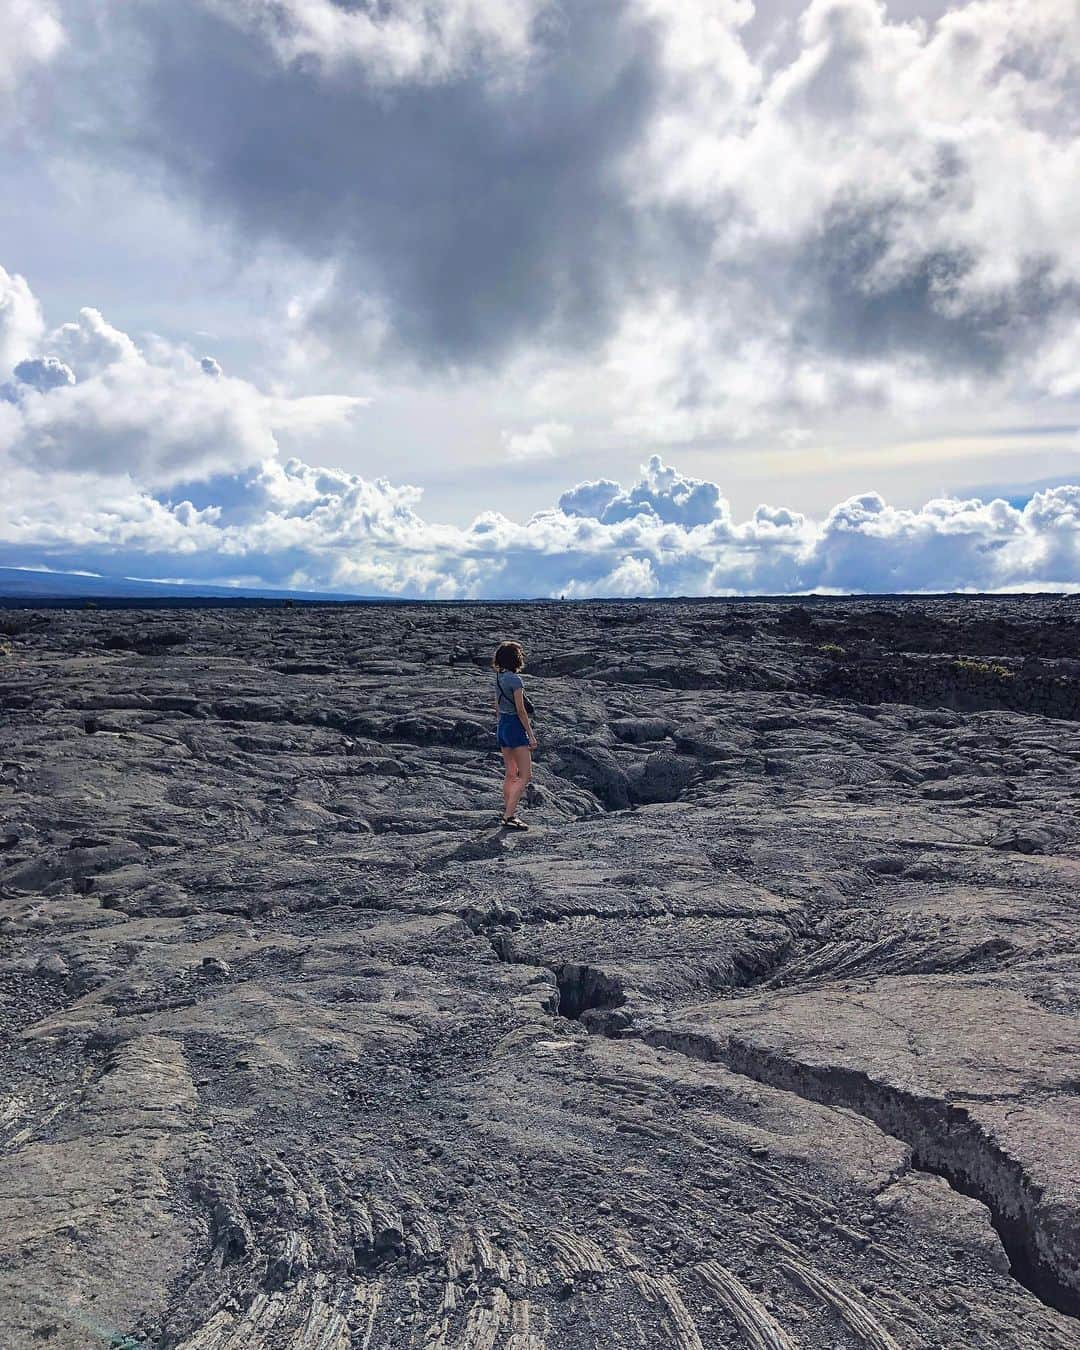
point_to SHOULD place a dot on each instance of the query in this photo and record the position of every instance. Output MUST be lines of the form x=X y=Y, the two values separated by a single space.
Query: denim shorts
x=511 y=733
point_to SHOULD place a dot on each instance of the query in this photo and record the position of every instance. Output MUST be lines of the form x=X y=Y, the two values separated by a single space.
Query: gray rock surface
x=765 y=1034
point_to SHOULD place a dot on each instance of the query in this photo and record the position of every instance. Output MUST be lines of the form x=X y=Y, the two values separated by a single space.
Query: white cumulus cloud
x=88 y=400
x=21 y=320
x=297 y=524
x=132 y=459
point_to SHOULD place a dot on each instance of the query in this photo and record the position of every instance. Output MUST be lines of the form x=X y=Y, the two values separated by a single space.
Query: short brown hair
x=509 y=656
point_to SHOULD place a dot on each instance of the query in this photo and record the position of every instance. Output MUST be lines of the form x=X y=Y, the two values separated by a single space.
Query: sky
x=495 y=298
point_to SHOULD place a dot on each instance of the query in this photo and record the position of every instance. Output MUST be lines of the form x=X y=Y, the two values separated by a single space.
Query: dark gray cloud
x=481 y=214
x=494 y=204
x=842 y=300
x=840 y=203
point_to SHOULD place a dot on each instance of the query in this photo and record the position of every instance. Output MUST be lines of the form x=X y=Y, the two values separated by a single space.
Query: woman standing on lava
x=514 y=732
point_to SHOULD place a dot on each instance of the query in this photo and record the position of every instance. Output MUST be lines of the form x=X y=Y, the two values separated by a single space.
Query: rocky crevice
x=588 y=995
x=583 y=993
x=944 y=1139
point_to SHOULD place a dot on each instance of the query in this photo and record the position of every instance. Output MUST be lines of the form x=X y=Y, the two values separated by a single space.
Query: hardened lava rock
x=764 y=1034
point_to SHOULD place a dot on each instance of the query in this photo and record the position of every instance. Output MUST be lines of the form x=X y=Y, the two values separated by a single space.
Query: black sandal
x=512 y=823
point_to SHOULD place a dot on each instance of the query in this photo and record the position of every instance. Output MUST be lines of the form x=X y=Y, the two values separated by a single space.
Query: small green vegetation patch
x=984 y=669
x=831 y=649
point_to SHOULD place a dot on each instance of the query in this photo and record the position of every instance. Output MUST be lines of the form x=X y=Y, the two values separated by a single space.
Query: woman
x=514 y=732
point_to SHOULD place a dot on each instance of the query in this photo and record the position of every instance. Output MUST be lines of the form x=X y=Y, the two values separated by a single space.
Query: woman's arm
x=523 y=716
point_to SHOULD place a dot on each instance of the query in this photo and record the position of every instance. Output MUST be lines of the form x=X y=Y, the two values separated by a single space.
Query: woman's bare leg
x=509 y=778
x=514 y=788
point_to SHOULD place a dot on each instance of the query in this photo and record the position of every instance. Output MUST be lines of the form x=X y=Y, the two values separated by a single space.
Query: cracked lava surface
x=764 y=1035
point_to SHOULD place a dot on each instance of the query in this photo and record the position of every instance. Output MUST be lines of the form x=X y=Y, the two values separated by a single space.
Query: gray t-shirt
x=508 y=682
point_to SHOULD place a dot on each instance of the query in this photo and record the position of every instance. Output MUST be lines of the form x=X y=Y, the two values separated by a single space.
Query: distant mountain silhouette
x=19 y=585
